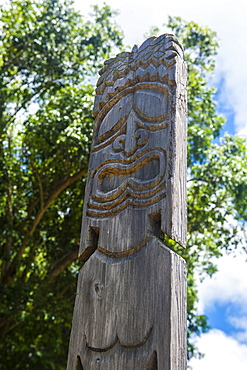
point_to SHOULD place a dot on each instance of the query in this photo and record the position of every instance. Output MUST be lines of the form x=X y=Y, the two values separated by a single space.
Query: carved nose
x=133 y=139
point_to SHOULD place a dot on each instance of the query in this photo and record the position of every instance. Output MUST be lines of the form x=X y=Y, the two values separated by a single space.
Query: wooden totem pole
x=130 y=309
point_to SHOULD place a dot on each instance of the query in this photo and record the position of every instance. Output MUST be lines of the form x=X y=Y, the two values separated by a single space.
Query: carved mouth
x=112 y=177
x=142 y=173
x=138 y=181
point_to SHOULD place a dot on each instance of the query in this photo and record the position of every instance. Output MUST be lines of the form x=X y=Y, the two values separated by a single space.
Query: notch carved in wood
x=153 y=362
x=155 y=224
x=92 y=242
x=78 y=364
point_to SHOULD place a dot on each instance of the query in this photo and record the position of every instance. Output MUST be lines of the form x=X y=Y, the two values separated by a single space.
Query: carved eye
x=115 y=117
x=151 y=106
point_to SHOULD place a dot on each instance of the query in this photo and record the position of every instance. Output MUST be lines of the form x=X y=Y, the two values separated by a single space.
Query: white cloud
x=221 y=352
x=228 y=285
x=231 y=62
x=239 y=323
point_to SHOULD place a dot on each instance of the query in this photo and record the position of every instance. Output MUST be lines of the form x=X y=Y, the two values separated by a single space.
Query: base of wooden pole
x=130 y=312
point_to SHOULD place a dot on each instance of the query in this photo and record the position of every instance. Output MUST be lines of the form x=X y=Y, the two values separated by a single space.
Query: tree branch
x=61 y=264
x=39 y=183
x=41 y=88
x=63 y=185
x=10 y=221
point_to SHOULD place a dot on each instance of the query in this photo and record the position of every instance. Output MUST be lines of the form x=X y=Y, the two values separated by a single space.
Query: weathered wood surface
x=130 y=310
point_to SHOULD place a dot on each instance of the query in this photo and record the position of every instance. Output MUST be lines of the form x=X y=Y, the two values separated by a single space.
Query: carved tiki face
x=130 y=160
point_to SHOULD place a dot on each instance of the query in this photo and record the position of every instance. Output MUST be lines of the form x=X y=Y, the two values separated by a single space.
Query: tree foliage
x=49 y=54
x=49 y=57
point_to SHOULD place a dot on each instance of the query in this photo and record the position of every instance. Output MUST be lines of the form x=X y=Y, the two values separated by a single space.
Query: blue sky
x=224 y=109
x=218 y=317
x=223 y=298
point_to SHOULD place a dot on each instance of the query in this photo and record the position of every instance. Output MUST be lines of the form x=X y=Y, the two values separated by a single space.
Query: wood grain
x=130 y=309
x=138 y=157
x=130 y=312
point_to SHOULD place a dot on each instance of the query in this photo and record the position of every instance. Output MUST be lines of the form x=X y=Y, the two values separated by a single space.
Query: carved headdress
x=150 y=62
